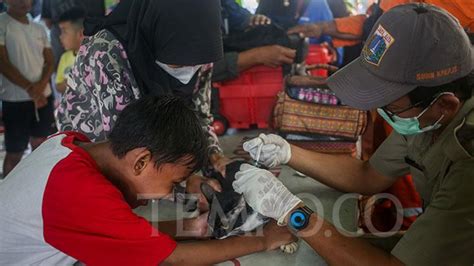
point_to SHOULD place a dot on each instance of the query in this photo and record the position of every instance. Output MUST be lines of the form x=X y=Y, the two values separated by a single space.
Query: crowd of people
x=132 y=122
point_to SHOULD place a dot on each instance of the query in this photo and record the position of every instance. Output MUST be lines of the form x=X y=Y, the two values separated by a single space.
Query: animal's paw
x=289 y=248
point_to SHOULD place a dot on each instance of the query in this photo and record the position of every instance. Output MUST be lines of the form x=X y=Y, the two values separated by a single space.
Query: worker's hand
x=264 y=192
x=275 y=236
x=193 y=186
x=258 y=19
x=314 y=30
x=274 y=151
x=274 y=55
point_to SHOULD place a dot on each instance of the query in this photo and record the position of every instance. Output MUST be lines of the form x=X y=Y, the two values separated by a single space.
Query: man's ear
x=448 y=104
x=142 y=158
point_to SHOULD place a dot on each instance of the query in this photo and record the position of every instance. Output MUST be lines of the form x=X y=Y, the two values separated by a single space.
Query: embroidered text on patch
x=377 y=46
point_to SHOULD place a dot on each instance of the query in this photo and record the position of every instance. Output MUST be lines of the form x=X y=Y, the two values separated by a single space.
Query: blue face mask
x=411 y=126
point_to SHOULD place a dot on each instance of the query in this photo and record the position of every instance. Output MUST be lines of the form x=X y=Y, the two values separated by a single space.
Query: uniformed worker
x=416 y=68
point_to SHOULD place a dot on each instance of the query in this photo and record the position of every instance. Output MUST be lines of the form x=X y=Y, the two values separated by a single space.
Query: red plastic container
x=249 y=99
x=318 y=55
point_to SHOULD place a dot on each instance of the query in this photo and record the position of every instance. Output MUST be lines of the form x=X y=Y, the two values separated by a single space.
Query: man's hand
x=314 y=30
x=275 y=55
x=264 y=192
x=36 y=92
x=276 y=236
x=273 y=152
x=256 y=20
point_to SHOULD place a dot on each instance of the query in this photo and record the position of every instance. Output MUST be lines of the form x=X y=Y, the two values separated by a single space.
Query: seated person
x=71 y=199
x=72 y=34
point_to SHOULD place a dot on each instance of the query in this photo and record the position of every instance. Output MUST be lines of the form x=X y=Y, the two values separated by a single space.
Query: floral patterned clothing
x=101 y=84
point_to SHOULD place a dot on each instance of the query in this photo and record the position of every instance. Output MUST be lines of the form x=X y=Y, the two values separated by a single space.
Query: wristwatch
x=299 y=218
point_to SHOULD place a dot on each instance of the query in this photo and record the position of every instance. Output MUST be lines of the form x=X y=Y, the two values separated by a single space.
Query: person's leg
x=36 y=141
x=16 y=121
x=10 y=161
x=45 y=126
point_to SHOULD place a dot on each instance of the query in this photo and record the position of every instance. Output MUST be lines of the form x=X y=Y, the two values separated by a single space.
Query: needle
x=259 y=151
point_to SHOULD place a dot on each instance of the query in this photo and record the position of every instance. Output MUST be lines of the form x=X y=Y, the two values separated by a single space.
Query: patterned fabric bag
x=302 y=117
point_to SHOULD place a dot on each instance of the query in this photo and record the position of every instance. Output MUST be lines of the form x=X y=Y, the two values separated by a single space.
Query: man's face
x=19 y=7
x=445 y=105
x=146 y=181
x=159 y=182
x=71 y=35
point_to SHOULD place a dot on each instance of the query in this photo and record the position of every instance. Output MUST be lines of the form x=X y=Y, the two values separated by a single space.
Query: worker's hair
x=462 y=88
x=75 y=15
x=166 y=126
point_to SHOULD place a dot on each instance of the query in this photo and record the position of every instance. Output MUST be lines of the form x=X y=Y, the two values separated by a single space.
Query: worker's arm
x=340 y=172
x=11 y=72
x=271 y=55
x=267 y=195
x=338 y=249
x=345 y=31
x=215 y=251
x=233 y=63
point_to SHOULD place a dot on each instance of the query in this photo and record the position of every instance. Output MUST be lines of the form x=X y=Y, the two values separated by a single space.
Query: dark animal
x=229 y=213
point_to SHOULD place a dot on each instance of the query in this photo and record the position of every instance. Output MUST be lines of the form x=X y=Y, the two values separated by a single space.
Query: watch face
x=298 y=220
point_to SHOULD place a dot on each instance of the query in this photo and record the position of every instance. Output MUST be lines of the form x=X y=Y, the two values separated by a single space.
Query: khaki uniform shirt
x=443 y=172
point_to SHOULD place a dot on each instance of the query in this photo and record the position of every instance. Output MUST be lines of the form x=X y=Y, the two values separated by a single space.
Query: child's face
x=19 y=7
x=71 y=35
x=159 y=182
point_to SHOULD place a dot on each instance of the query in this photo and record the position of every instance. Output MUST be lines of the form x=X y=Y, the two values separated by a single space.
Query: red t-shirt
x=84 y=216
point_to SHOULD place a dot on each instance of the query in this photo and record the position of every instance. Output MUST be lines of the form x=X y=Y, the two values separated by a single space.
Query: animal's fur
x=229 y=213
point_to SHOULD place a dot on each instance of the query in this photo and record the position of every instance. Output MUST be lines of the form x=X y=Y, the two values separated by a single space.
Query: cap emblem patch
x=377 y=45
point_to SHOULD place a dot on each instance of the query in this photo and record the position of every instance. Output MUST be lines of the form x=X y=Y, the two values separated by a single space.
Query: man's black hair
x=75 y=15
x=165 y=126
x=462 y=88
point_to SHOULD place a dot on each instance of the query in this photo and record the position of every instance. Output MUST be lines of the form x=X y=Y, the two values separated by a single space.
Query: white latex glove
x=264 y=192
x=275 y=150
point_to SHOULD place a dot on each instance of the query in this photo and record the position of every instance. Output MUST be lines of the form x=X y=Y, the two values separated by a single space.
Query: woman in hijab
x=143 y=47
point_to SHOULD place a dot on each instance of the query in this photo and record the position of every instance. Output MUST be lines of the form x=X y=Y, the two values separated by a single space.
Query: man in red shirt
x=71 y=200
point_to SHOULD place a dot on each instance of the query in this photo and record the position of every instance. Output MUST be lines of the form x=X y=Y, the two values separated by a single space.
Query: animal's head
x=229 y=214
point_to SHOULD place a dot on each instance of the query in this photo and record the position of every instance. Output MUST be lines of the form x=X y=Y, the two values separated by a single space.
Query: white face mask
x=183 y=74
